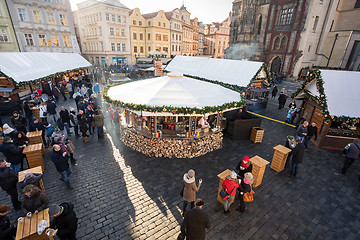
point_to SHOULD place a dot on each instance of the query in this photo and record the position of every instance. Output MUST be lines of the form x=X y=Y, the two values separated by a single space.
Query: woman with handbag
x=230 y=185
x=190 y=189
x=245 y=189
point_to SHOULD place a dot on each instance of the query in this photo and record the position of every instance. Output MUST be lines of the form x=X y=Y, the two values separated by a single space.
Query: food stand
x=330 y=99
x=162 y=115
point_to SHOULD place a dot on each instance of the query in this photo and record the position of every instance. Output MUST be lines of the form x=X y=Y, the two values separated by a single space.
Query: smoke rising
x=243 y=51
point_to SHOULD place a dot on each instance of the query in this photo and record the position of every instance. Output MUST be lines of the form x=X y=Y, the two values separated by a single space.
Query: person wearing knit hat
x=64 y=221
x=244 y=166
x=245 y=186
x=230 y=185
x=190 y=189
x=7 y=231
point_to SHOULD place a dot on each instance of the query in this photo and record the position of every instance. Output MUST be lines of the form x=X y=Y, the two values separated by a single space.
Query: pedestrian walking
x=19 y=122
x=34 y=200
x=60 y=159
x=116 y=121
x=244 y=187
x=77 y=97
x=70 y=149
x=289 y=114
x=82 y=105
x=297 y=157
x=294 y=114
x=51 y=109
x=190 y=189
x=12 y=153
x=274 y=92
x=351 y=153
x=83 y=126
x=282 y=99
x=195 y=223
x=32 y=178
x=28 y=113
x=292 y=104
x=65 y=118
x=83 y=90
x=74 y=121
x=8 y=181
x=97 y=89
x=90 y=118
x=64 y=221
x=60 y=126
x=55 y=92
x=244 y=166
x=43 y=112
x=302 y=130
x=230 y=185
x=311 y=131
x=99 y=122
x=291 y=144
x=69 y=89
x=7 y=231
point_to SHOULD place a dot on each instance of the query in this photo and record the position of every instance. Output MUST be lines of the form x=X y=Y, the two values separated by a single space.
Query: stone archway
x=276 y=65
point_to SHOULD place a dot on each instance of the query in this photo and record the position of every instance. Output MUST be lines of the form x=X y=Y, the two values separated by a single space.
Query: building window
x=119 y=19
x=113 y=18
x=141 y=49
x=51 y=19
x=149 y=48
x=286 y=16
x=357 y=4
x=289 y=16
x=42 y=40
x=107 y=17
x=28 y=39
x=158 y=37
x=55 y=40
x=37 y=17
x=164 y=25
x=165 y=49
x=283 y=16
x=141 y=37
x=135 y=49
x=134 y=36
x=283 y=43
x=159 y=23
x=277 y=43
x=309 y=48
x=123 y=32
x=134 y=22
x=111 y=31
x=22 y=14
x=149 y=36
x=3 y=36
x=158 y=49
x=100 y=32
x=66 y=41
x=118 y=46
x=165 y=37
x=149 y=23
x=316 y=23
x=140 y=23
x=117 y=32
x=62 y=19
x=113 y=47
x=123 y=46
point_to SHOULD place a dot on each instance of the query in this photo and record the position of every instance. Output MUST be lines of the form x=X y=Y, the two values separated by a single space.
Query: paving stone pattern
x=122 y=194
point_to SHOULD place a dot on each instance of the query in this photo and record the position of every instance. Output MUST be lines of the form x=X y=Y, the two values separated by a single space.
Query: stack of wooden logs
x=172 y=148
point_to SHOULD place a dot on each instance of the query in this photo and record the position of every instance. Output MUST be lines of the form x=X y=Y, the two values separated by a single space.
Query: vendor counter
x=171 y=146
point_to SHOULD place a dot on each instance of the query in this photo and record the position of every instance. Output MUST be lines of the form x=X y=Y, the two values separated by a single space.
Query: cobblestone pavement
x=122 y=194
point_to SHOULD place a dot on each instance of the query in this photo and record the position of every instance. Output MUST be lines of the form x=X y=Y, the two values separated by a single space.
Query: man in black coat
x=297 y=157
x=8 y=180
x=51 y=108
x=282 y=100
x=195 y=222
x=60 y=159
x=28 y=113
x=64 y=222
x=311 y=131
x=12 y=153
x=65 y=117
x=351 y=152
x=19 y=122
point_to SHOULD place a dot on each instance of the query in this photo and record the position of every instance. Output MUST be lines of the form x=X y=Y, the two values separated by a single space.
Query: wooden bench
x=32 y=170
x=27 y=229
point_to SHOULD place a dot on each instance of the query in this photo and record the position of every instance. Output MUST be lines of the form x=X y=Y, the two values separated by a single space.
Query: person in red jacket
x=230 y=185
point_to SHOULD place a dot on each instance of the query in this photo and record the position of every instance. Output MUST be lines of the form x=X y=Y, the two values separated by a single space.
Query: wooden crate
x=36 y=112
x=36 y=137
x=257 y=134
x=222 y=176
x=259 y=165
x=34 y=155
x=279 y=159
x=27 y=229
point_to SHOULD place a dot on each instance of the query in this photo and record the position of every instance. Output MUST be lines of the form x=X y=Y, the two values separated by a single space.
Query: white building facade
x=103 y=30
x=176 y=32
x=43 y=25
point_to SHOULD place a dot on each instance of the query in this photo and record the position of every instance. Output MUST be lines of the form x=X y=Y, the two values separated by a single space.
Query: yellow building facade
x=137 y=34
x=8 y=42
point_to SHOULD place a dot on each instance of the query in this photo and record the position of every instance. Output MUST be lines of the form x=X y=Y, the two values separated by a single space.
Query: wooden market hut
x=162 y=114
x=23 y=72
x=331 y=99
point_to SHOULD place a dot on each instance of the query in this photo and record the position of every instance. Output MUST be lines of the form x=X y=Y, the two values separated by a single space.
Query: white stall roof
x=342 y=92
x=173 y=91
x=237 y=72
x=28 y=66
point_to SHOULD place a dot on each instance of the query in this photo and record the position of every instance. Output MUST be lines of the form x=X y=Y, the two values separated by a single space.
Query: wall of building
x=138 y=36
x=8 y=41
x=176 y=32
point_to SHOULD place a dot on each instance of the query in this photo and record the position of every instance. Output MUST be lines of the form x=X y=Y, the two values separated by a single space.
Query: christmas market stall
x=330 y=99
x=236 y=74
x=22 y=73
x=172 y=116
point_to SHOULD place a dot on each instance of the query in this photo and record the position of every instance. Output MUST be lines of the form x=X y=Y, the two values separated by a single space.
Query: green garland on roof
x=171 y=109
x=315 y=74
x=20 y=84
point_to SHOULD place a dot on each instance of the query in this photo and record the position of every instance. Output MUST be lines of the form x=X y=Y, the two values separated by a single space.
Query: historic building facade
x=217 y=38
x=8 y=41
x=195 y=43
x=43 y=26
x=201 y=38
x=187 y=42
x=137 y=34
x=176 y=32
x=104 y=32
